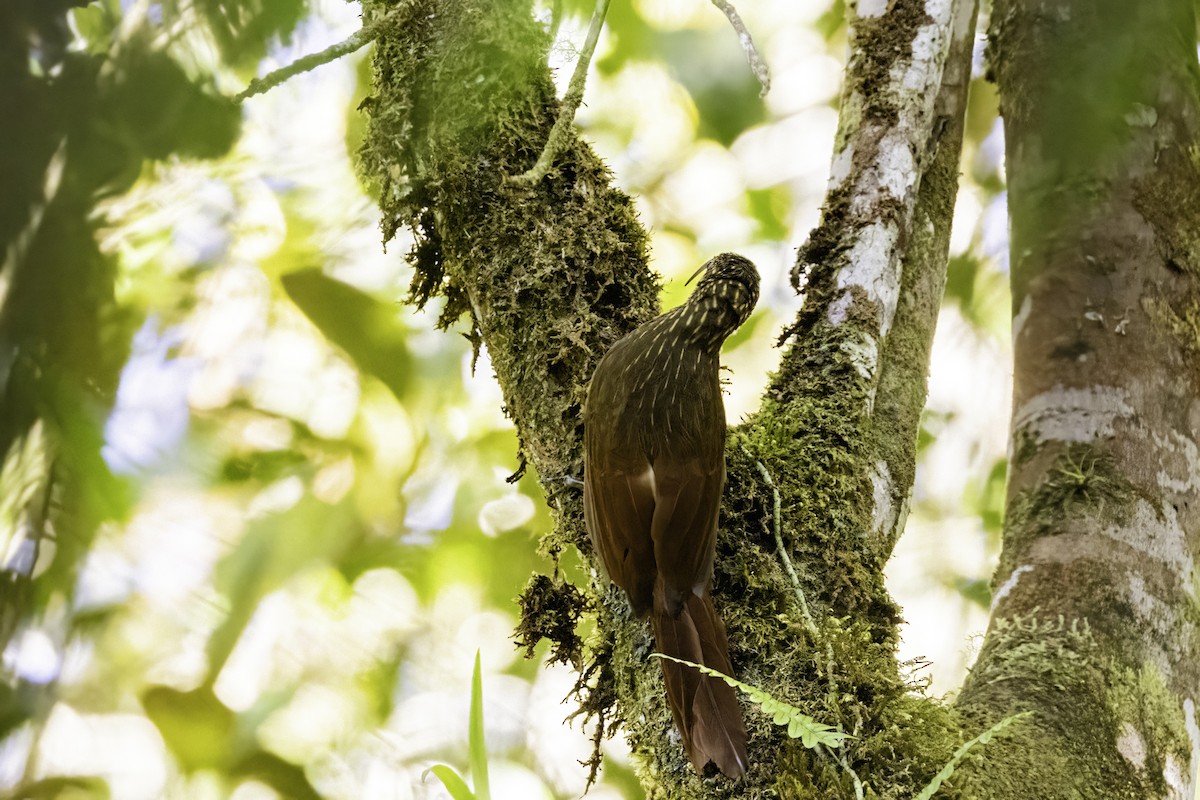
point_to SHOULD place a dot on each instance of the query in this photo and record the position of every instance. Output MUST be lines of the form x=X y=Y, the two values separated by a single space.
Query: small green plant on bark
x=961 y=753
x=813 y=734
x=799 y=725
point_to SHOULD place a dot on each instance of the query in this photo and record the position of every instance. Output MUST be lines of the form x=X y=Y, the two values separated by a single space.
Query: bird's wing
x=687 y=501
x=618 y=506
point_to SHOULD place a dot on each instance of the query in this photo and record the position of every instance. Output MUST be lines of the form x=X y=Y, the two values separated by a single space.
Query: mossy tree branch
x=561 y=133
x=550 y=275
x=839 y=422
x=355 y=41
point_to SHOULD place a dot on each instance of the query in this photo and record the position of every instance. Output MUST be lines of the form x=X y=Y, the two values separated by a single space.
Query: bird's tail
x=705 y=709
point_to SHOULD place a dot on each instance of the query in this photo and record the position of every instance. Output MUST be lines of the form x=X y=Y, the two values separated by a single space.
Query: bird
x=654 y=471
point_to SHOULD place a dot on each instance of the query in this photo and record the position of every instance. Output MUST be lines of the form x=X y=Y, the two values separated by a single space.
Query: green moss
x=1085 y=701
x=548 y=278
x=1140 y=699
x=818 y=258
x=1179 y=316
x=1080 y=482
x=881 y=41
x=1025 y=446
x=809 y=436
x=551 y=611
x=1066 y=751
x=1081 y=479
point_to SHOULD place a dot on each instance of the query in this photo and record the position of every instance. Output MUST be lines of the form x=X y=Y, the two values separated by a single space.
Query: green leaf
x=264 y=466
x=745 y=332
x=283 y=776
x=274 y=549
x=799 y=725
x=712 y=67
x=454 y=784
x=770 y=207
x=66 y=788
x=195 y=725
x=369 y=331
x=96 y=26
x=18 y=704
x=156 y=108
x=243 y=28
x=478 y=749
x=961 y=753
x=832 y=21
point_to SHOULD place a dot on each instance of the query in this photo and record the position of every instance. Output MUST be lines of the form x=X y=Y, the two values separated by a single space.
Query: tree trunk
x=1095 y=606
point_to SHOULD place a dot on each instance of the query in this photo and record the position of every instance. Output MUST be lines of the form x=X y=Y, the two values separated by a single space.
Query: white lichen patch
x=1010 y=584
x=1179 y=784
x=864 y=355
x=905 y=508
x=1073 y=415
x=1141 y=116
x=928 y=55
x=1158 y=620
x=1188 y=457
x=872 y=8
x=838 y=309
x=883 y=511
x=1131 y=746
x=897 y=167
x=872 y=265
x=1022 y=316
x=1189 y=721
x=1157 y=534
x=839 y=169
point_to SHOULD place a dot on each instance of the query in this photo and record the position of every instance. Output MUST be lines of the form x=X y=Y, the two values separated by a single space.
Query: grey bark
x=1095 y=610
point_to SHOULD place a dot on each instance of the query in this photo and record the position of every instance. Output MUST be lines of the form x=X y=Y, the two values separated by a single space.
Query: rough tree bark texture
x=550 y=277
x=1096 y=604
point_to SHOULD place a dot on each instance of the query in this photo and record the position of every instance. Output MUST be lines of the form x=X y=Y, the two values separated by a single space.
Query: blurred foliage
x=365 y=328
x=708 y=63
x=253 y=511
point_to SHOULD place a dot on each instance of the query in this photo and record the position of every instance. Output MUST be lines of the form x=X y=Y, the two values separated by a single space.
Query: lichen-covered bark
x=838 y=425
x=904 y=93
x=549 y=277
x=1096 y=605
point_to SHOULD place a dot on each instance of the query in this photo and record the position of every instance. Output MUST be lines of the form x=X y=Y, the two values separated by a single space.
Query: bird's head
x=731 y=279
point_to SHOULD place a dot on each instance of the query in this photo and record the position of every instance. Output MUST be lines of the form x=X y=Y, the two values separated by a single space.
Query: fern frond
x=799 y=725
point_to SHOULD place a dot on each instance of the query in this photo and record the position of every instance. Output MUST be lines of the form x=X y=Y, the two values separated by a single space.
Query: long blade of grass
x=478 y=750
x=454 y=784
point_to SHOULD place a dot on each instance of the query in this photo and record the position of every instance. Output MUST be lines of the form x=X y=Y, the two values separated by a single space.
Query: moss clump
x=551 y=611
x=1025 y=446
x=1142 y=704
x=1179 y=316
x=881 y=40
x=1084 y=699
x=1082 y=478
x=1040 y=663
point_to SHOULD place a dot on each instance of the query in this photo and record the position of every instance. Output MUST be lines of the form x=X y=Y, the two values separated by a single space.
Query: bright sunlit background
x=319 y=543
